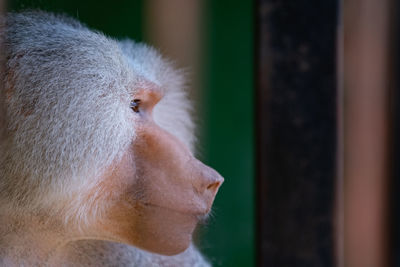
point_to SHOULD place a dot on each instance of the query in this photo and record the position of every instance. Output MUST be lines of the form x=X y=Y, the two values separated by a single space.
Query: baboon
x=96 y=164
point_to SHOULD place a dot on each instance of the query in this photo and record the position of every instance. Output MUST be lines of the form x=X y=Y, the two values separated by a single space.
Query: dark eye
x=134 y=105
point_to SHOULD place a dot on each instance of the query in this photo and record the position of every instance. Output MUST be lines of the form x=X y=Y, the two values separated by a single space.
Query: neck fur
x=30 y=240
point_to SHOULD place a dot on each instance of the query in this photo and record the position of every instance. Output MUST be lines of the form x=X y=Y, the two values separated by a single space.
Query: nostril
x=214 y=186
x=208 y=180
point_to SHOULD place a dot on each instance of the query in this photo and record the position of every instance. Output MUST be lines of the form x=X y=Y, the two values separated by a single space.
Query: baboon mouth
x=199 y=215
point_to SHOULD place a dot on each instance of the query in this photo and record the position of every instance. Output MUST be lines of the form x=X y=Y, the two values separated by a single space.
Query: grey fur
x=68 y=91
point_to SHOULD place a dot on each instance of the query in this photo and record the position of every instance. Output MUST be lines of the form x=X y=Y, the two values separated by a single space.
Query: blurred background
x=213 y=42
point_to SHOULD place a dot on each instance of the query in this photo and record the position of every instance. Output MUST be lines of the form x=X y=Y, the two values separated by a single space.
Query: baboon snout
x=207 y=181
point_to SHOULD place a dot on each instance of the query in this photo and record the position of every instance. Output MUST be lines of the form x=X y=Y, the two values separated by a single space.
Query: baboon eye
x=134 y=105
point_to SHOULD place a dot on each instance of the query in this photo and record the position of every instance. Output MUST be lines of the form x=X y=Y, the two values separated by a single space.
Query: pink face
x=163 y=191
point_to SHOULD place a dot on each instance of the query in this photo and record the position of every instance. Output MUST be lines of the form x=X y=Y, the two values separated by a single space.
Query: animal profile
x=97 y=165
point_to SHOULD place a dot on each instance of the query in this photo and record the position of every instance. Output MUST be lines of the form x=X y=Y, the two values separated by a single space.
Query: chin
x=163 y=230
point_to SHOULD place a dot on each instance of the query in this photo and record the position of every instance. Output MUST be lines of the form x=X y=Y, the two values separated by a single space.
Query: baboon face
x=67 y=92
x=163 y=190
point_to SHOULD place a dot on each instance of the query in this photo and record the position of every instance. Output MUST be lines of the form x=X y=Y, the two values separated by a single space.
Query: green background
x=227 y=139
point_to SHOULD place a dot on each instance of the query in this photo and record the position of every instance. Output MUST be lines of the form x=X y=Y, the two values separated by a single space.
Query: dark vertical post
x=395 y=182
x=296 y=131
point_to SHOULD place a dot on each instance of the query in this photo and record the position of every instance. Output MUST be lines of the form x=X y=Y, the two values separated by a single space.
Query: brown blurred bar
x=175 y=27
x=366 y=132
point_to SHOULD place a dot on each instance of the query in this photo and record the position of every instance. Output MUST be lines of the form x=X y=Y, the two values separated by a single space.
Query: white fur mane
x=67 y=92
